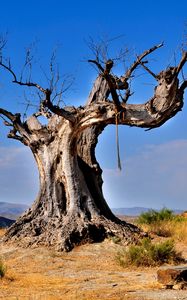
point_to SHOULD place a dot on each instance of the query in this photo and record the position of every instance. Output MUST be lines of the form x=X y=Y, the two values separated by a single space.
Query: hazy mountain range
x=135 y=211
x=12 y=210
x=9 y=212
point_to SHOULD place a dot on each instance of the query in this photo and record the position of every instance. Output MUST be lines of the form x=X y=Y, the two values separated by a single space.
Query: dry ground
x=88 y=272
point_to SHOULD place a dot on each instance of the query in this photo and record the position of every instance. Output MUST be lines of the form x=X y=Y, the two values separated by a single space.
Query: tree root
x=65 y=235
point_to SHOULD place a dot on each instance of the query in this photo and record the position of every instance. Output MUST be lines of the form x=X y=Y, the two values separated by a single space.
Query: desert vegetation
x=147 y=254
x=164 y=223
x=152 y=216
x=166 y=231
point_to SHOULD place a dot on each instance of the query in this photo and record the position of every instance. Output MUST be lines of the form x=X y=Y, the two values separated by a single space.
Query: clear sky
x=154 y=163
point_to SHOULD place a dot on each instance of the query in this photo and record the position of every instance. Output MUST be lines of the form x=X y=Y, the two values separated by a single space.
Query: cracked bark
x=70 y=208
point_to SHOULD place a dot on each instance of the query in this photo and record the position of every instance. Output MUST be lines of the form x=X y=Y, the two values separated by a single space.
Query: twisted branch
x=138 y=61
x=47 y=92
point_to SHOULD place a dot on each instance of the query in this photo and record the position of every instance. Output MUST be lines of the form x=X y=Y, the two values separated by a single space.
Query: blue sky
x=154 y=163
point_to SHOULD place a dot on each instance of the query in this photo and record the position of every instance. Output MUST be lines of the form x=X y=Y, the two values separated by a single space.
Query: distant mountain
x=135 y=211
x=12 y=210
x=4 y=222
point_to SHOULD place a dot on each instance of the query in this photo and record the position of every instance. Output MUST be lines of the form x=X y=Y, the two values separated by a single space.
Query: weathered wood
x=70 y=208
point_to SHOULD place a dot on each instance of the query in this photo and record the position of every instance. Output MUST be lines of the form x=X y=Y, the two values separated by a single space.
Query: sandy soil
x=88 y=272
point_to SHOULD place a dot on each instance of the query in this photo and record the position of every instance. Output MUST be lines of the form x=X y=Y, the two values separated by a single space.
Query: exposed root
x=64 y=235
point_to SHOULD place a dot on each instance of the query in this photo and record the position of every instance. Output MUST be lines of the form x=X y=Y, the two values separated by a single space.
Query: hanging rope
x=117 y=142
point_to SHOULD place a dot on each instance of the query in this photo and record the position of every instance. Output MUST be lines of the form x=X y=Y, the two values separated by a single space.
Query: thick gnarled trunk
x=70 y=208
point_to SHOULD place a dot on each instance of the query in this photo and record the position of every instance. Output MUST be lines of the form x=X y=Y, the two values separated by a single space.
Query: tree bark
x=70 y=208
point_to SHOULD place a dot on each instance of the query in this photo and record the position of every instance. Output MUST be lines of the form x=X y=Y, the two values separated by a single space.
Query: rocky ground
x=88 y=272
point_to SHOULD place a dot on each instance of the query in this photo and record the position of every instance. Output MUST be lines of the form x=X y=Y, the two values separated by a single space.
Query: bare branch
x=30 y=84
x=47 y=92
x=121 y=83
x=126 y=96
x=97 y=64
x=148 y=70
x=3 y=42
x=182 y=63
x=183 y=86
x=8 y=114
x=17 y=125
x=6 y=123
x=100 y=49
x=138 y=61
x=8 y=69
x=56 y=109
x=12 y=135
x=28 y=63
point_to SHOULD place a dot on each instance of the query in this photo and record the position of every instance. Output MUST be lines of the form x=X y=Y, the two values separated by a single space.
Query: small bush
x=149 y=254
x=153 y=216
x=2 y=269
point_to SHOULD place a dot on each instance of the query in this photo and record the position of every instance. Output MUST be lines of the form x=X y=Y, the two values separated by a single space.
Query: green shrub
x=149 y=254
x=2 y=269
x=153 y=216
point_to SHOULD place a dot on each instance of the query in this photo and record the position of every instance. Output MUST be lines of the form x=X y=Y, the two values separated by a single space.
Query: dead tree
x=70 y=208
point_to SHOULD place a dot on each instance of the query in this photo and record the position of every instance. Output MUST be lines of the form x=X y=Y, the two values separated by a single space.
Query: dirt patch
x=88 y=272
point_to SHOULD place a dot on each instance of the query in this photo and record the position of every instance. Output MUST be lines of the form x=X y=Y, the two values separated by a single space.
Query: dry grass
x=175 y=229
x=147 y=254
x=179 y=231
x=2 y=232
x=164 y=223
x=88 y=272
x=85 y=273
